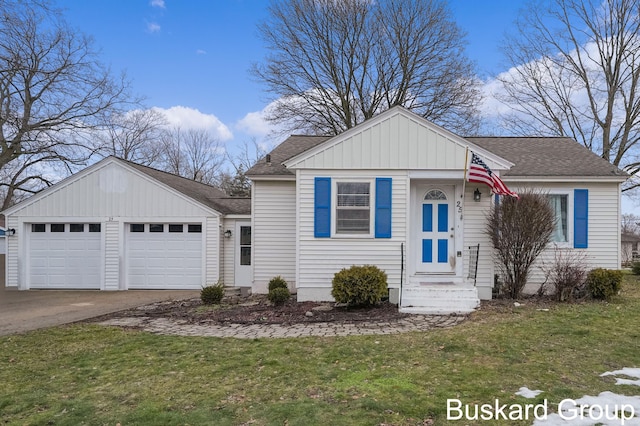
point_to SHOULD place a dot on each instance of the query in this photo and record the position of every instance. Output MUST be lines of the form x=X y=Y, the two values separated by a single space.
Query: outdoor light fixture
x=10 y=231
x=477 y=195
x=227 y=233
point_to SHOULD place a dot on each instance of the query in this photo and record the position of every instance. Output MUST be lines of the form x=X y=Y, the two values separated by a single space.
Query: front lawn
x=94 y=375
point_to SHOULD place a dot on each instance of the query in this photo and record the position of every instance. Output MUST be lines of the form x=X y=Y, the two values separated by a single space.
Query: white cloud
x=153 y=27
x=157 y=3
x=201 y=52
x=190 y=118
x=255 y=124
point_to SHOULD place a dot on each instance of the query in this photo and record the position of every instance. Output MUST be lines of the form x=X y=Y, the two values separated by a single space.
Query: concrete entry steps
x=439 y=299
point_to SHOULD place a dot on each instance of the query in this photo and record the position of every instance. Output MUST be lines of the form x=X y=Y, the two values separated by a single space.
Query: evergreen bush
x=212 y=294
x=279 y=295
x=277 y=282
x=359 y=285
x=604 y=283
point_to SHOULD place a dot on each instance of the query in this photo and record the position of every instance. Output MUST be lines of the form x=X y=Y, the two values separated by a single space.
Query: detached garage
x=118 y=225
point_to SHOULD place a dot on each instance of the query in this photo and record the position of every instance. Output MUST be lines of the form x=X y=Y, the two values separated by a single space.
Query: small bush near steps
x=279 y=295
x=212 y=294
x=604 y=283
x=277 y=282
x=359 y=285
x=635 y=268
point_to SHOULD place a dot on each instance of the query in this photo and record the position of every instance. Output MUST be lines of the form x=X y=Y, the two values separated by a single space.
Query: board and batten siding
x=603 y=249
x=273 y=233
x=320 y=258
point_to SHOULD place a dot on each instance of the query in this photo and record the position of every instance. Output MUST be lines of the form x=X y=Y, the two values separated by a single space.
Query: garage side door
x=64 y=255
x=164 y=256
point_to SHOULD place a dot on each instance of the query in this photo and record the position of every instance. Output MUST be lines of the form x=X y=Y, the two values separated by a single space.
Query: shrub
x=277 y=282
x=359 y=285
x=212 y=294
x=567 y=275
x=635 y=268
x=279 y=295
x=604 y=283
x=520 y=230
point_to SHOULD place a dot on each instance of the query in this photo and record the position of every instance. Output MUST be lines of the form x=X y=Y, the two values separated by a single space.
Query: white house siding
x=212 y=250
x=228 y=250
x=114 y=195
x=112 y=251
x=603 y=231
x=475 y=220
x=320 y=258
x=12 y=261
x=274 y=232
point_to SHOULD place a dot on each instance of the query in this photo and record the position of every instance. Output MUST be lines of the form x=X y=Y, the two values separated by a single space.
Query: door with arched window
x=436 y=231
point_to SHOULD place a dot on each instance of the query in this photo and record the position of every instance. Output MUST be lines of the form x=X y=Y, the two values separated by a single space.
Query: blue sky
x=197 y=53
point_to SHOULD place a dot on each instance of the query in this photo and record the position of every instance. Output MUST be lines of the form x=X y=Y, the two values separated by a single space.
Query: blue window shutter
x=383 y=208
x=580 y=218
x=322 y=208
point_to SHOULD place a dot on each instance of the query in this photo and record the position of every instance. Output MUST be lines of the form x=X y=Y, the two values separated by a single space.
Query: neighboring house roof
x=629 y=238
x=547 y=156
x=203 y=193
x=289 y=148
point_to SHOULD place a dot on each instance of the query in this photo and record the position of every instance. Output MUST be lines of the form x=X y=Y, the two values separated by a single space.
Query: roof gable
x=106 y=181
x=394 y=139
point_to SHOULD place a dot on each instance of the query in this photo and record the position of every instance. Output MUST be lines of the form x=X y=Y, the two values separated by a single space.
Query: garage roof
x=203 y=193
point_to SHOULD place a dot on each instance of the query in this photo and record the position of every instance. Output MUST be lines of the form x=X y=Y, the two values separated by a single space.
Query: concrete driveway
x=22 y=311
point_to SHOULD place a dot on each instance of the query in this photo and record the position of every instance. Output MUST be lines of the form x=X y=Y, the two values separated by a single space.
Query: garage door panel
x=64 y=260
x=163 y=260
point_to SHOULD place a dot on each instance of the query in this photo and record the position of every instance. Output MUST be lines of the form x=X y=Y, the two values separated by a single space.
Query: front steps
x=439 y=299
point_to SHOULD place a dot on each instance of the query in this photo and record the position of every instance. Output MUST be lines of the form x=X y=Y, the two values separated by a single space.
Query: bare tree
x=52 y=88
x=519 y=230
x=194 y=154
x=630 y=224
x=333 y=64
x=136 y=136
x=235 y=182
x=576 y=72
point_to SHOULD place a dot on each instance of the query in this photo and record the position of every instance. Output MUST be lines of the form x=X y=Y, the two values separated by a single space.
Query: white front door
x=435 y=237
x=243 y=254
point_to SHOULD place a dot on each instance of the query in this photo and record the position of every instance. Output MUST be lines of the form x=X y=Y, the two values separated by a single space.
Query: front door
x=243 y=254
x=436 y=234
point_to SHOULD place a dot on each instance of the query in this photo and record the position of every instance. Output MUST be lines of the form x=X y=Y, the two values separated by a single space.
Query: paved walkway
x=254 y=331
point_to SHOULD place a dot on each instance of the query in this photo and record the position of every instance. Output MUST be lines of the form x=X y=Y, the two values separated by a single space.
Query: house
x=630 y=245
x=391 y=192
x=117 y=225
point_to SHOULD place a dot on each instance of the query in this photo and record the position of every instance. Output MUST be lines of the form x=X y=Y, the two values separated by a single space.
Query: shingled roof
x=547 y=156
x=289 y=148
x=205 y=194
x=531 y=156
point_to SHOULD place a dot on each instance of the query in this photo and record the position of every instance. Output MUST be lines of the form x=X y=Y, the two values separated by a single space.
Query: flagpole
x=464 y=180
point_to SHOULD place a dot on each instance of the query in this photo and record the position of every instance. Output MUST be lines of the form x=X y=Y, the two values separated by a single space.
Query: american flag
x=481 y=173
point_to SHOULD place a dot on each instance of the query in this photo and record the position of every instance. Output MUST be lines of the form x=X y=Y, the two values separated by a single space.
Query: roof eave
x=563 y=178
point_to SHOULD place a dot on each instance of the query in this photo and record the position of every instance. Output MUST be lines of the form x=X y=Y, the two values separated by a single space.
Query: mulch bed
x=256 y=309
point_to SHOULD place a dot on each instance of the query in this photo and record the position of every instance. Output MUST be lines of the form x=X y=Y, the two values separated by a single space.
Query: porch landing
x=439 y=298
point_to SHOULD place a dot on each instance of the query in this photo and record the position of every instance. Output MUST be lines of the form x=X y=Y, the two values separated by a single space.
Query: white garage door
x=64 y=255
x=164 y=256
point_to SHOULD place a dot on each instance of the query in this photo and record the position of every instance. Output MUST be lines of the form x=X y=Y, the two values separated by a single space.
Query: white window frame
x=334 y=207
x=570 y=214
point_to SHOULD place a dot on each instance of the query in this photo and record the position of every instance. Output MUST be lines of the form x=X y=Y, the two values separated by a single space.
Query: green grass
x=93 y=375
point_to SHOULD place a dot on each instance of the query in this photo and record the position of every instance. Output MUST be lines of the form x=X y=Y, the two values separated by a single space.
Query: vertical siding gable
x=397 y=143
